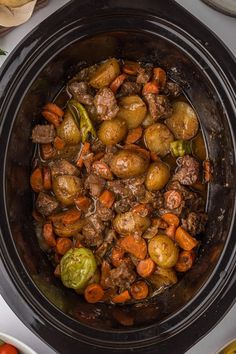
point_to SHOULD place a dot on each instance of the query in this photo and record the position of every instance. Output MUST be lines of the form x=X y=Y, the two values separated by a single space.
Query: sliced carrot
x=117 y=82
x=54 y=108
x=63 y=245
x=146 y=267
x=135 y=246
x=143 y=151
x=150 y=87
x=131 y=67
x=184 y=239
x=139 y=290
x=122 y=297
x=93 y=293
x=102 y=170
x=47 y=151
x=82 y=203
x=160 y=76
x=52 y=118
x=58 y=143
x=105 y=273
x=171 y=219
x=154 y=156
x=134 y=135
x=84 y=151
x=48 y=234
x=117 y=255
x=36 y=180
x=47 y=178
x=185 y=261
x=57 y=271
x=170 y=231
x=107 y=198
x=67 y=217
x=143 y=209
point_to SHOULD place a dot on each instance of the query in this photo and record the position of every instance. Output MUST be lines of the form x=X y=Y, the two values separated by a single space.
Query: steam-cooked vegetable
x=66 y=188
x=183 y=123
x=105 y=74
x=157 y=138
x=78 y=265
x=180 y=148
x=130 y=223
x=162 y=278
x=163 y=251
x=133 y=110
x=198 y=147
x=68 y=130
x=157 y=176
x=128 y=163
x=112 y=131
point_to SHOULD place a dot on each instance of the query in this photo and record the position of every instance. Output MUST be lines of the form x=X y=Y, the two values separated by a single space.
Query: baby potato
x=66 y=188
x=105 y=74
x=157 y=176
x=133 y=110
x=183 y=122
x=112 y=131
x=128 y=163
x=163 y=251
x=163 y=277
x=130 y=223
x=157 y=138
x=68 y=130
x=148 y=120
x=198 y=147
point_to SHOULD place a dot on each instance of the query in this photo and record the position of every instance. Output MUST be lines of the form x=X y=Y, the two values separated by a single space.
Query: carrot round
x=117 y=82
x=84 y=151
x=48 y=234
x=36 y=180
x=47 y=151
x=122 y=297
x=58 y=143
x=47 y=178
x=117 y=255
x=170 y=231
x=52 y=118
x=67 y=217
x=150 y=87
x=134 y=135
x=185 y=261
x=143 y=209
x=146 y=267
x=139 y=290
x=184 y=239
x=82 y=203
x=107 y=199
x=137 y=247
x=54 y=108
x=93 y=293
x=131 y=67
x=160 y=76
x=171 y=219
x=63 y=245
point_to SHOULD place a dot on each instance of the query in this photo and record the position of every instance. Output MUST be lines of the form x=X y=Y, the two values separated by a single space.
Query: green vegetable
x=81 y=116
x=2 y=52
x=180 y=148
x=78 y=265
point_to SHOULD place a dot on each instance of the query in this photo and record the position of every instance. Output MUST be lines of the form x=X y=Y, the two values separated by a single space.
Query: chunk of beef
x=123 y=205
x=81 y=92
x=172 y=89
x=43 y=134
x=110 y=236
x=173 y=199
x=119 y=188
x=46 y=204
x=144 y=74
x=159 y=106
x=98 y=146
x=156 y=199
x=104 y=213
x=94 y=184
x=93 y=231
x=105 y=103
x=188 y=171
x=136 y=185
x=63 y=167
x=130 y=88
x=195 y=223
x=122 y=276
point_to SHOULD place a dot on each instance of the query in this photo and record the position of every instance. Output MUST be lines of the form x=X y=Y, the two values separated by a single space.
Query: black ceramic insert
x=79 y=34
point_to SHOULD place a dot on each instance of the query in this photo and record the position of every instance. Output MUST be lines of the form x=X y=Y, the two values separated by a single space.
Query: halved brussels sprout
x=77 y=266
x=163 y=277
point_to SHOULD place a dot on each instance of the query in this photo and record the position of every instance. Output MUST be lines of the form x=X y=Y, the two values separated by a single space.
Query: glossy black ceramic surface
x=82 y=33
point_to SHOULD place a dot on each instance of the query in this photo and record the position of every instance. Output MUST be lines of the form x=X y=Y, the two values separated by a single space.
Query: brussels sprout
x=157 y=176
x=157 y=138
x=133 y=110
x=163 y=277
x=68 y=130
x=183 y=123
x=163 y=251
x=66 y=188
x=77 y=266
x=105 y=74
x=128 y=163
x=130 y=223
x=112 y=131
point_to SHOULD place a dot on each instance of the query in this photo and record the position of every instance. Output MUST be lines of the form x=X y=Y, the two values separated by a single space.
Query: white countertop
x=225 y=28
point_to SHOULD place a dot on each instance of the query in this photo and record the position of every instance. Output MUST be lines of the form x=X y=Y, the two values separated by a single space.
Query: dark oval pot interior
x=35 y=74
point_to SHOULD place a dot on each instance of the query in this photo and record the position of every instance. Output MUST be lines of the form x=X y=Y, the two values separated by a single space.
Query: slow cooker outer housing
x=156 y=31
